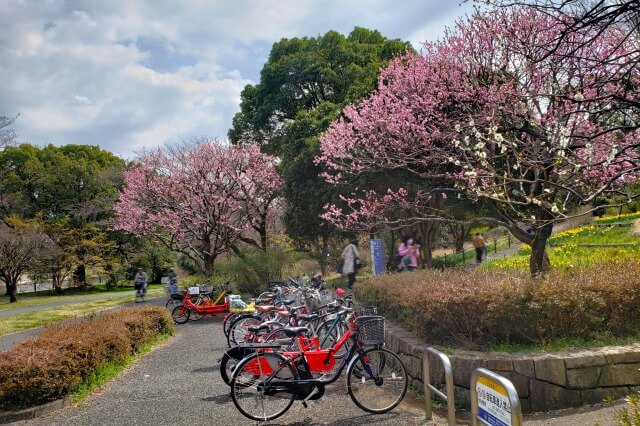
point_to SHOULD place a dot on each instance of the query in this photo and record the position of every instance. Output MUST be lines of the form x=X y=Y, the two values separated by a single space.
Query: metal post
x=512 y=395
x=429 y=388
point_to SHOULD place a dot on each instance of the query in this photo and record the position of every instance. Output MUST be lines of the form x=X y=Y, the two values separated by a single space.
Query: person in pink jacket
x=409 y=253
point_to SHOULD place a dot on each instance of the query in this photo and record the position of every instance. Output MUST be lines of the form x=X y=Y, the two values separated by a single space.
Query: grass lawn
x=20 y=322
x=71 y=295
x=568 y=249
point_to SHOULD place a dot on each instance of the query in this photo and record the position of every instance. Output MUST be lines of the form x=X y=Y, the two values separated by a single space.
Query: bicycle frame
x=215 y=308
x=303 y=388
x=319 y=360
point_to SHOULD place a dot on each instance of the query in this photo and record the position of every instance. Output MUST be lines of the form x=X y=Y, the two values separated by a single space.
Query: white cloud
x=130 y=74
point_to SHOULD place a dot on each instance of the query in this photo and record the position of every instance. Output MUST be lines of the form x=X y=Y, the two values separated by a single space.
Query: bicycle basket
x=326 y=297
x=365 y=311
x=370 y=330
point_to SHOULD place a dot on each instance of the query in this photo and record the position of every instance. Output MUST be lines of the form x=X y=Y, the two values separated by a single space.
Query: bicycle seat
x=309 y=317
x=294 y=309
x=267 y=308
x=288 y=302
x=258 y=328
x=295 y=331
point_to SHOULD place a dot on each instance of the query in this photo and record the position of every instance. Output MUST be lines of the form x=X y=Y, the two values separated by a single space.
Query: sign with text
x=377 y=256
x=494 y=407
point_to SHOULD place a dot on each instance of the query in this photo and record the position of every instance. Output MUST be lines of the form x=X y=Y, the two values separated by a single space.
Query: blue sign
x=377 y=256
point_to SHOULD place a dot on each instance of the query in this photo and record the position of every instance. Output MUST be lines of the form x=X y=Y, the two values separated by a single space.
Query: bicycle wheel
x=250 y=386
x=180 y=314
x=329 y=338
x=172 y=303
x=194 y=316
x=227 y=365
x=380 y=383
x=238 y=330
x=228 y=321
x=277 y=336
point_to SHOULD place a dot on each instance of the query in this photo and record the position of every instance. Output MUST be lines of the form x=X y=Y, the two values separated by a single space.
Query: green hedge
x=63 y=358
x=479 y=309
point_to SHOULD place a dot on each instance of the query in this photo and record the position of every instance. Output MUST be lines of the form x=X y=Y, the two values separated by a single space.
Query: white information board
x=494 y=407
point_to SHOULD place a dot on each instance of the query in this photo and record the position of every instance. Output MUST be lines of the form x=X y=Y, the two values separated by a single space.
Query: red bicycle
x=188 y=308
x=265 y=383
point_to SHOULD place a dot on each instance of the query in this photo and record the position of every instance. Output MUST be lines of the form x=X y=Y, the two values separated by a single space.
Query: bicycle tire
x=172 y=303
x=245 y=386
x=227 y=365
x=179 y=316
x=368 y=391
x=236 y=331
x=228 y=321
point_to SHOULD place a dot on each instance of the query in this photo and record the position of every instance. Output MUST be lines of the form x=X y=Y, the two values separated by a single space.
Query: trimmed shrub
x=63 y=358
x=478 y=309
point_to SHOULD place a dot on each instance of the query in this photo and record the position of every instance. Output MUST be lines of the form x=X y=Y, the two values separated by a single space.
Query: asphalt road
x=179 y=384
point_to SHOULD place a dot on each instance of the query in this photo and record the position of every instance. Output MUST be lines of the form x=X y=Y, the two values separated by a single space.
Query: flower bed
x=618 y=218
x=479 y=309
x=63 y=358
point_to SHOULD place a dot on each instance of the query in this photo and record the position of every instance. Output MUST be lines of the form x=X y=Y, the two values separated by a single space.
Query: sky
x=129 y=75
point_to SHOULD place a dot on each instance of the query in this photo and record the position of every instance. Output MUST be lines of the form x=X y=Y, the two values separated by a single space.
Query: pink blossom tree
x=200 y=198
x=490 y=113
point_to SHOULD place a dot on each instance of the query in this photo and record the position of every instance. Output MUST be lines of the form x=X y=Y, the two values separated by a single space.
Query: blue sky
x=129 y=75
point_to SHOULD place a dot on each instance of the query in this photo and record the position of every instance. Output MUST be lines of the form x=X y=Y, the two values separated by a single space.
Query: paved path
x=64 y=301
x=179 y=384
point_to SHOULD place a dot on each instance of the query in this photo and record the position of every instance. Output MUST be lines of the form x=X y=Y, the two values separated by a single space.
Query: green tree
x=72 y=189
x=304 y=85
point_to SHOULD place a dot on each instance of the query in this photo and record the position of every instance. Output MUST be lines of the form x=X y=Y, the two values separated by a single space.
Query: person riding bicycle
x=140 y=283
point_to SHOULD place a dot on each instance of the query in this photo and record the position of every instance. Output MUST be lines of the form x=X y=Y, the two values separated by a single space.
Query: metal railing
x=429 y=388
x=494 y=390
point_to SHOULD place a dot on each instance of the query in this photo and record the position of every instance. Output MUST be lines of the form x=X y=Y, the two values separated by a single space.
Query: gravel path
x=179 y=384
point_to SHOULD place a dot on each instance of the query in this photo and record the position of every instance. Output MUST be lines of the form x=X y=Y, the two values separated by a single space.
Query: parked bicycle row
x=292 y=341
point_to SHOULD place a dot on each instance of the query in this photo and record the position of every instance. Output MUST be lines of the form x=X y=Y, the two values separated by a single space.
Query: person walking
x=350 y=258
x=140 y=283
x=479 y=244
x=173 y=277
x=409 y=253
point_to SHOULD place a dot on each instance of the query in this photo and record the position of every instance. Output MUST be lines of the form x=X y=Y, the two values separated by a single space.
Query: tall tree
x=20 y=249
x=198 y=198
x=303 y=87
x=491 y=112
x=74 y=185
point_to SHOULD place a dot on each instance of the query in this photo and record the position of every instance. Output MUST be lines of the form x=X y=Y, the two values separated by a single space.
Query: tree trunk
x=262 y=230
x=80 y=276
x=426 y=231
x=324 y=255
x=459 y=233
x=12 y=290
x=539 y=262
x=208 y=263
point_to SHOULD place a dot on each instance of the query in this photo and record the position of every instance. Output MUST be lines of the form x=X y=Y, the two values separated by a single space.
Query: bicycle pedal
x=312 y=394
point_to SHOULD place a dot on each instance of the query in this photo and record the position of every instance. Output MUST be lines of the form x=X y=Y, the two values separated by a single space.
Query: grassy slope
x=21 y=322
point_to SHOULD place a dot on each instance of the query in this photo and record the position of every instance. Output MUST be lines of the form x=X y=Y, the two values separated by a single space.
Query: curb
x=34 y=412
